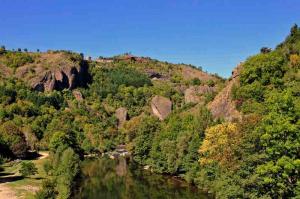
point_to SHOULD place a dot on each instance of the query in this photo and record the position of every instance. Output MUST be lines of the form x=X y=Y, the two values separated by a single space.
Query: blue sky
x=214 y=34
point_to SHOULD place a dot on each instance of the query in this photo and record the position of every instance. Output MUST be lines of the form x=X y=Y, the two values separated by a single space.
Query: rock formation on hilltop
x=54 y=71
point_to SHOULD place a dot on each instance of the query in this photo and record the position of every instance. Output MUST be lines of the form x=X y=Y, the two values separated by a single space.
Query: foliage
x=107 y=81
x=218 y=145
x=174 y=148
x=267 y=149
x=62 y=140
x=196 y=81
x=145 y=133
x=47 y=191
x=27 y=169
x=16 y=59
x=264 y=68
x=13 y=140
x=63 y=166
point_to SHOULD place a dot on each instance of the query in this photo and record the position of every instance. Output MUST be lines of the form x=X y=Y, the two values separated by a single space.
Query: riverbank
x=14 y=186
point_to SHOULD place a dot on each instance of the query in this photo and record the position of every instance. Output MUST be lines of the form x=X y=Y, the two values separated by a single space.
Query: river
x=104 y=178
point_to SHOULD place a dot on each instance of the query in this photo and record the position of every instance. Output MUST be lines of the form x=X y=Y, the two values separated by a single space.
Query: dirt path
x=43 y=154
x=7 y=192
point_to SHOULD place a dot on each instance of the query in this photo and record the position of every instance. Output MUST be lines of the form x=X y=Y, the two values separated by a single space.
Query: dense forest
x=61 y=102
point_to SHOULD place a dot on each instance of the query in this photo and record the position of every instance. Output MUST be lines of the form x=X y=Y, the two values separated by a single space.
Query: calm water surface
x=104 y=178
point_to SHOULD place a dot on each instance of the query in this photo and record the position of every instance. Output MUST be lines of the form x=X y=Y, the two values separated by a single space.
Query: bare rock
x=223 y=106
x=45 y=83
x=153 y=74
x=71 y=73
x=194 y=94
x=161 y=107
x=122 y=115
x=191 y=96
x=189 y=73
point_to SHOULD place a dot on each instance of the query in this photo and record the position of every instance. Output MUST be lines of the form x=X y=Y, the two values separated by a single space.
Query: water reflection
x=115 y=179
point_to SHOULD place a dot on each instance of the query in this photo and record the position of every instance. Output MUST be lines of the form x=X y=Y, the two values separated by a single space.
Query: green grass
x=27 y=186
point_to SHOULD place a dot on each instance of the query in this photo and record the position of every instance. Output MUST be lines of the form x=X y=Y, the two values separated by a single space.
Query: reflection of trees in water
x=121 y=167
x=115 y=179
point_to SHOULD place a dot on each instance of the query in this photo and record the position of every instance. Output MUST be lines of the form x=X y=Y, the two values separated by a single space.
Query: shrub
x=211 y=83
x=27 y=169
x=47 y=191
x=196 y=81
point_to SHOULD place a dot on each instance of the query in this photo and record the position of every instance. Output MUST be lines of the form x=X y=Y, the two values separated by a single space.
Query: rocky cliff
x=223 y=107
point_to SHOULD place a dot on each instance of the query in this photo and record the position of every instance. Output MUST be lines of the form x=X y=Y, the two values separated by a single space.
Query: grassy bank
x=19 y=186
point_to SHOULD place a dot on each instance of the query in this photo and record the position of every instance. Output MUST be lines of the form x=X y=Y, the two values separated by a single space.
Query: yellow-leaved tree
x=295 y=60
x=219 y=144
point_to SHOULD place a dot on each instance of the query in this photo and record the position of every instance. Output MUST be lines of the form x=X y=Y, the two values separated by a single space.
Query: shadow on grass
x=6 y=174
x=32 y=155
x=10 y=179
x=38 y=178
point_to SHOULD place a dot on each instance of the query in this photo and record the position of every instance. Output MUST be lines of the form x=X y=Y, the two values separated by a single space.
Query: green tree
x=63 y=140
x=13 y=139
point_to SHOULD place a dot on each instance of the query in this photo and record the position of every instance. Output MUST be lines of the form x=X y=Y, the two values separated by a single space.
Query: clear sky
x=214 y=34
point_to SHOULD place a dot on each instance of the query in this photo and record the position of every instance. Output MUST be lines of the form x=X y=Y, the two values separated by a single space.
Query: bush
x=196 y=81
x=47 y=191
x=27 y=169
x=211 y=83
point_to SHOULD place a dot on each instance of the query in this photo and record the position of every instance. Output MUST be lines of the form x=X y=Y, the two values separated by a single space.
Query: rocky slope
x=58 y=70
x=223 y=107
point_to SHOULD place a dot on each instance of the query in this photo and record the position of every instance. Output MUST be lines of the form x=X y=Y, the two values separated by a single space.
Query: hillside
x=238 y=138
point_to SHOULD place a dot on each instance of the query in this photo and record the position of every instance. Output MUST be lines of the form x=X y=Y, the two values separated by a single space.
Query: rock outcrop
x=122 y=115
x=54 y=71
x=66 y=78
x=194 y=94
x=161 y=107
x=223 y=106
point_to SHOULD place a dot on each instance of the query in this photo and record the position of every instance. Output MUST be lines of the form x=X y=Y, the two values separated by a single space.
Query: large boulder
x=161 y=107
x=194 y=94
x=122 y=115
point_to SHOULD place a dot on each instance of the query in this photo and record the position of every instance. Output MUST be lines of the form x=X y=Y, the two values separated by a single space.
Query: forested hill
x=238 y=138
